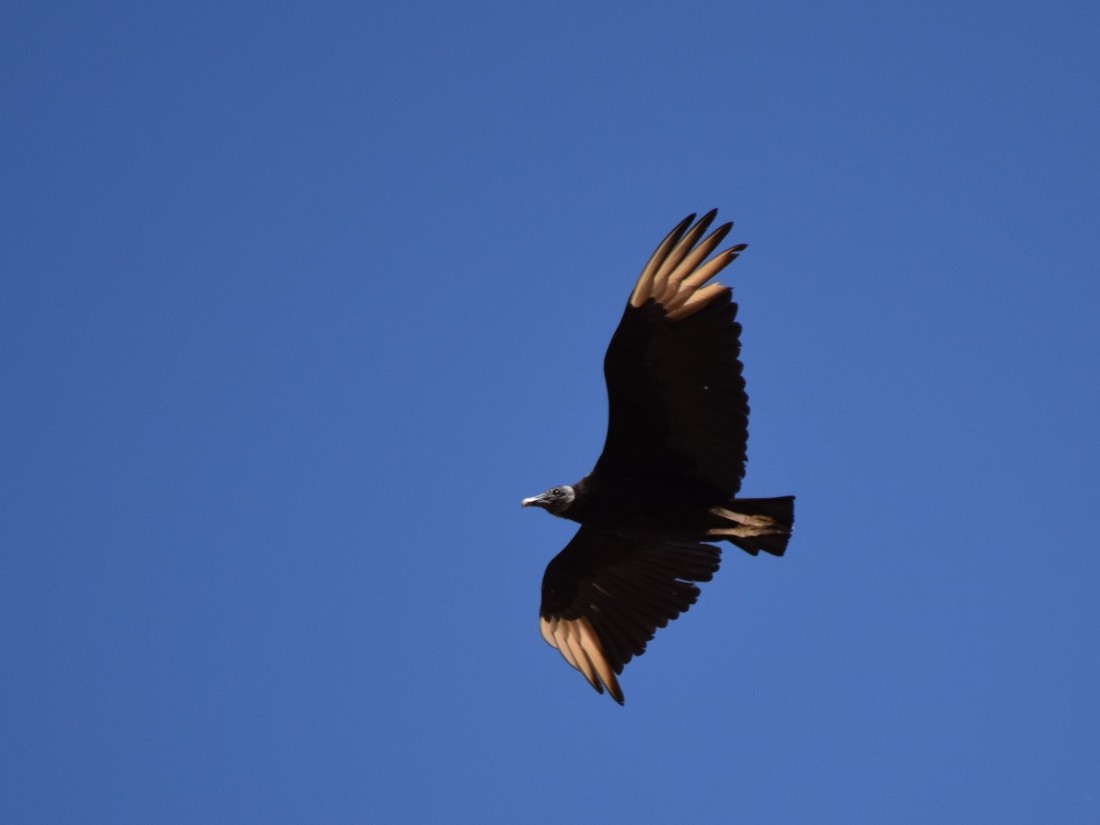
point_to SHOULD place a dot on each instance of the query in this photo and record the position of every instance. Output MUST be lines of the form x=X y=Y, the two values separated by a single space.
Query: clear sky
x=297 y=302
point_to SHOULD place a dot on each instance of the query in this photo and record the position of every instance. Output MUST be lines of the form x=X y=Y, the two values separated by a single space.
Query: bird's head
x=556 y=500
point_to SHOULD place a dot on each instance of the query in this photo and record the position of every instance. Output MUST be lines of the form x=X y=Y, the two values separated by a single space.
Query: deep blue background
x=299 y=300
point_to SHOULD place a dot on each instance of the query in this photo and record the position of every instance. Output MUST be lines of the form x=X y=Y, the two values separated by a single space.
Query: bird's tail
x=754 y=524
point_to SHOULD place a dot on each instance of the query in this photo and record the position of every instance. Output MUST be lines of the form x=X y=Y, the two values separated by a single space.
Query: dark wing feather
x=604 y=596
x=676 y=398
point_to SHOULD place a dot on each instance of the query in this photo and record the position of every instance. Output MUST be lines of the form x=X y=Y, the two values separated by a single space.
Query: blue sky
x=299 y=300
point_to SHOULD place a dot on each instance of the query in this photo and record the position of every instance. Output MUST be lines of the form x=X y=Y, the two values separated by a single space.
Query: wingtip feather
x=677 y=273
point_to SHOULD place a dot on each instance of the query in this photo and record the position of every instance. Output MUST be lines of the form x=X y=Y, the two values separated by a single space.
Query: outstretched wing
x=604 y=596
x=676 y=397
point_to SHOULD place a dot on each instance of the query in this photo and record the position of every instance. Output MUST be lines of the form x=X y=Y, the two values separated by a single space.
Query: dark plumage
x=673 y=460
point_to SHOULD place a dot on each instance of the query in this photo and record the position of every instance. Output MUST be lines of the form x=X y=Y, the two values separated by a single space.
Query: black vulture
x=673 y=460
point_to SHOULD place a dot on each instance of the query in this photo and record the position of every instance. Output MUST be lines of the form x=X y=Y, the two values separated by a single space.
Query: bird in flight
x=663 y=489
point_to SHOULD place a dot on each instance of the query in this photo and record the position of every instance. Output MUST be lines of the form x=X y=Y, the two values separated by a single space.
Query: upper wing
x=676 y=397
x=604 y=596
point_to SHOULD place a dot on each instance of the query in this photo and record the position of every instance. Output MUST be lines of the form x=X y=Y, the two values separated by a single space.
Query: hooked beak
x=535 y=501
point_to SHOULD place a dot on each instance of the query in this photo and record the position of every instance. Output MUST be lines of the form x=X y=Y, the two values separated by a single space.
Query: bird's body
x=672 y=463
